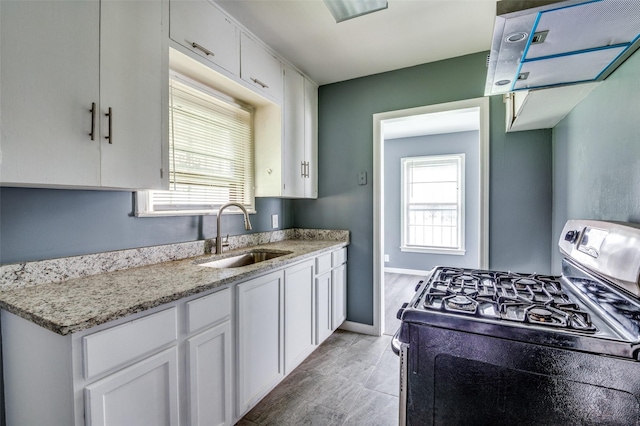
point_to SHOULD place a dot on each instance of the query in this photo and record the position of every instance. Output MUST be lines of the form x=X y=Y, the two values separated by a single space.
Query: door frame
x=378 y=190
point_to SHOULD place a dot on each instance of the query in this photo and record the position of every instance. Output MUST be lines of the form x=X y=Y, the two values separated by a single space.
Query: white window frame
x=144 y=199
x=459 y=160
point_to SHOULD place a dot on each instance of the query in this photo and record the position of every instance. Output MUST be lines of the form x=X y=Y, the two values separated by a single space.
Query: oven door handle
x=404 y=365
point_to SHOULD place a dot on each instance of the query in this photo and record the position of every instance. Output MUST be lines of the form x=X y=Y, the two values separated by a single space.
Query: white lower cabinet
x=144 y=394
x=298 y=314
x=260 y=338
x=189 y=362
x=323 y=307
x=209 y=376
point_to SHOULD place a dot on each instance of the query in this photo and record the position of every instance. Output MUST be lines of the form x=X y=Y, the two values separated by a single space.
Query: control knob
x=401 y=311
x=571 y=236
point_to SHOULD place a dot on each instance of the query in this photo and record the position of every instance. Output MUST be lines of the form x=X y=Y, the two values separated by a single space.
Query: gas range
x=532 y=339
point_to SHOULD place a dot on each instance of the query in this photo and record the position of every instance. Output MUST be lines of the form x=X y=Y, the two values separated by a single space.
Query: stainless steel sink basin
x=244 y=259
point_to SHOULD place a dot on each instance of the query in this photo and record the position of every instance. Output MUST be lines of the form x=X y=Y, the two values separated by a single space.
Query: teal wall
x=596 y=155
x=520 y=181
x=38 y=224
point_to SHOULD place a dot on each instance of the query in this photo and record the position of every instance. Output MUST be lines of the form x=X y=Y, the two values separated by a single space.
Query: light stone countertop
x=77 y=304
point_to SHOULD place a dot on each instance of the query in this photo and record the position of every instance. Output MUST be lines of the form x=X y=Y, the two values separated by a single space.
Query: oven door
x=459 y=378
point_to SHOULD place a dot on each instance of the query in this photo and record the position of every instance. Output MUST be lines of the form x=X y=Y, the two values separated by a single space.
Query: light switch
x=362 y=178
x=386 y=257
x=274 y=221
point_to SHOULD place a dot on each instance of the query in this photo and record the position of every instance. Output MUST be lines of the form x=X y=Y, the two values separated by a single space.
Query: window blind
x=211 y=150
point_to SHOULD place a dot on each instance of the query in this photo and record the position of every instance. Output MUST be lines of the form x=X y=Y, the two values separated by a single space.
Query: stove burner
x=541 y=314
x=461 y=303
x=527 y=299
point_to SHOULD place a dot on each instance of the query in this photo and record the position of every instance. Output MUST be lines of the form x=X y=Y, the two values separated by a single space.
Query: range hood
x=539 y=44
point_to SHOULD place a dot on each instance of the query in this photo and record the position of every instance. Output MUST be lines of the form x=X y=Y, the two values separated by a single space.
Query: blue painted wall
x=450 y=143
x=596 y=155
x=38 y=224
x=520 y=182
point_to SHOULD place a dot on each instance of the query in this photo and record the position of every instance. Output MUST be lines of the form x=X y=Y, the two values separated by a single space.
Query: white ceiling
x=407 y=33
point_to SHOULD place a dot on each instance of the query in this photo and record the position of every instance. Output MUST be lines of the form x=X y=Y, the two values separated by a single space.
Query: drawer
x=120 y=345
x=338 y=257
x=208 y=310
x=323 y=263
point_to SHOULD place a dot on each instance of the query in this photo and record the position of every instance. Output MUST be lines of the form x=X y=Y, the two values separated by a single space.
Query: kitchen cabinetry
x=260 y=68
x=144 y=394
x=204 y=29
x=299 y=314
x=210 y=360
x=83 y=90
x=260 y=338
x=300 y=136
x=331 y=293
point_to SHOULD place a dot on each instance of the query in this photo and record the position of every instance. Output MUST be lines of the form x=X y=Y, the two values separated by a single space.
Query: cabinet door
x=260 y=68
x=338 y=296
x=202 y=28
x=323 y=308
x=298 y=314
x=311 y=138
x=48 y=81
x=209 y=378
x=294 y=167
x=133 y=83
x=143 y=394
x=260 y=338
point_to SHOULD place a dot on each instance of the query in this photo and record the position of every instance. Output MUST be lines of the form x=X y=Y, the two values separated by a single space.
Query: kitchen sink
x=244 y=259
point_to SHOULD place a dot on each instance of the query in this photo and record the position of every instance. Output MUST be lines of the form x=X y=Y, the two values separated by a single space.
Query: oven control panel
x=592 y=240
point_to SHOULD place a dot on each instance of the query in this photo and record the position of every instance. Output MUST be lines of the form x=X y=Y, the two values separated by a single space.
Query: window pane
x=433 y=201
x=211 y=150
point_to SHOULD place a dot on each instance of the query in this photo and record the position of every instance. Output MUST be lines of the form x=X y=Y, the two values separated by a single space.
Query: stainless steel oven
x=482 y=347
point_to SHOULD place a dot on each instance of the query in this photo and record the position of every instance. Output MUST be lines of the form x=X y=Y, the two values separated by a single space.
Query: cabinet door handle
x=256 y=81
x=93 y=121
x=302 y=169
x=109 y=135
x=307 y=169
x=204 y=49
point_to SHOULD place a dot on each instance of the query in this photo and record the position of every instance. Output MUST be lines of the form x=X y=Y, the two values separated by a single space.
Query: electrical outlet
x=386 y=257
x=274 y=221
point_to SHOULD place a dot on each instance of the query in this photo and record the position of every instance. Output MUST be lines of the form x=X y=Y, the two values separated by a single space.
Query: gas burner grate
x=528 y=299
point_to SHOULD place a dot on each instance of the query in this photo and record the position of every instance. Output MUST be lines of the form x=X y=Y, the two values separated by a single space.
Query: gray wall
x=596 y=155
x=38 y=224
x=520 y=182
x=451 y=143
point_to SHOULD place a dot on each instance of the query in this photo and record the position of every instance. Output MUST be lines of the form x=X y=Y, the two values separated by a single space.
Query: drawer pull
x=204 y=49
x=256 y=81
x=109 y=136
x=93 y=121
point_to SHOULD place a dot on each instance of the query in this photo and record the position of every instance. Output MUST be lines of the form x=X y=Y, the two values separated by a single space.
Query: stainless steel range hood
x=540 y=44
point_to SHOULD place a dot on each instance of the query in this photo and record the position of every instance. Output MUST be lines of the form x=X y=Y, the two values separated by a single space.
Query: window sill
x=452 y=252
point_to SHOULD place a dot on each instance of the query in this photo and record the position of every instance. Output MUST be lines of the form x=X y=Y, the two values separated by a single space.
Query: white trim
x=358 y=327
x=406 y=271
x=417 y=249
x=378 y=193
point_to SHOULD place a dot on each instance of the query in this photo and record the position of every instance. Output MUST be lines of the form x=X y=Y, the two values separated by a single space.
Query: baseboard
x=406 y=271
x=358 y=327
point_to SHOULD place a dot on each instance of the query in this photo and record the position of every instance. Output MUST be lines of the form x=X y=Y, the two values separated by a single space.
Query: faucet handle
x=225 y=241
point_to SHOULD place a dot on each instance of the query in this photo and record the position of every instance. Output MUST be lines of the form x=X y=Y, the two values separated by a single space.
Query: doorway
x=442 y=119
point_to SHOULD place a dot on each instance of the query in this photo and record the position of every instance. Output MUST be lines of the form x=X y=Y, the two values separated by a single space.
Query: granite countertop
x=80 y=303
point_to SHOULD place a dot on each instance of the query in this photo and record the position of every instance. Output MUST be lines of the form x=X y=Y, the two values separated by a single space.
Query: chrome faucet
x=247 y=223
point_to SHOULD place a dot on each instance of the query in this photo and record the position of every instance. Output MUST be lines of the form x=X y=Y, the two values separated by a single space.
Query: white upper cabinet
x=260 y=68
x=48 y=80
x=289 y=167
x=207 y=31
x=65 y=64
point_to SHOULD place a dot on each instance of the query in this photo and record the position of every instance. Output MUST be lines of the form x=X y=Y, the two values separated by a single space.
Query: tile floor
x=351 y=379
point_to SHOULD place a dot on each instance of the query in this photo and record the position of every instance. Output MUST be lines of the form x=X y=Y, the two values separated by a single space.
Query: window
x=210 y=152
x=432 y=204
